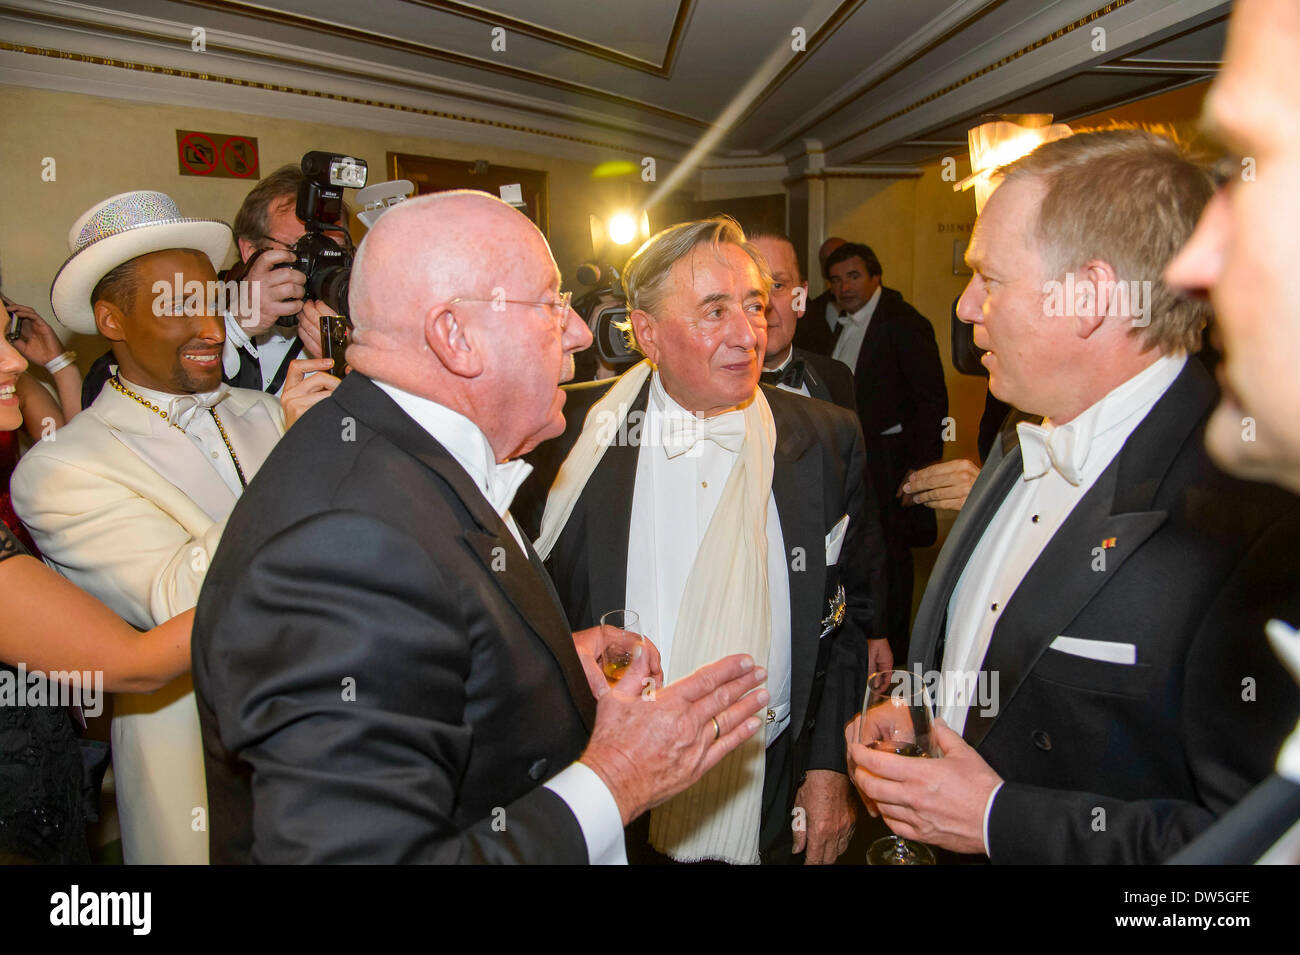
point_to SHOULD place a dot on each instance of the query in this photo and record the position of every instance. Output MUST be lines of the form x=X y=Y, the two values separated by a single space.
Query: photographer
x=259 y=351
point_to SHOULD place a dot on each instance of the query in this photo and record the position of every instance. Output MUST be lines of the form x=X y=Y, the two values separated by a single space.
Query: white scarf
x=725 y=610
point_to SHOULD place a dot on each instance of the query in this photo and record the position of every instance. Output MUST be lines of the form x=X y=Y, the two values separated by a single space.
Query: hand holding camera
x=281 y=289
x=31 y=335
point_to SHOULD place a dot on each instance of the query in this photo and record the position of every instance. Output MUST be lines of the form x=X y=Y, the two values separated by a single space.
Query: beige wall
x=879 y=212
x=103 y=146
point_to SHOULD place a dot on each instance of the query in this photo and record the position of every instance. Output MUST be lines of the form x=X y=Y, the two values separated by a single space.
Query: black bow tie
x=792 y=375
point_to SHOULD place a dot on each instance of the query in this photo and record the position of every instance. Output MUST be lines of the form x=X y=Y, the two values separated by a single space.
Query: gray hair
x=645 y=277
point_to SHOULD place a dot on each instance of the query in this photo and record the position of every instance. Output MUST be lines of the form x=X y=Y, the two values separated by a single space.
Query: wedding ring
x=717 y=730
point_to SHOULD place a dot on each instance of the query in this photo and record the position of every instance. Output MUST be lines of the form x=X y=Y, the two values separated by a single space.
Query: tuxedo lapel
x=877 y=331
x=523 y=583
x=252 y=429
x=607 y=506
x=166 y=451
x=991 y=488
x=1058 y=586
x=797 y=486
x=526 y=585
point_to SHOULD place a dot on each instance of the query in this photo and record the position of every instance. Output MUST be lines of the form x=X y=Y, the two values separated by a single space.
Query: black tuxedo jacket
x=827 y=379
x=1113 y=763
x=378 y=665
x=899 y=381
x=818 y=478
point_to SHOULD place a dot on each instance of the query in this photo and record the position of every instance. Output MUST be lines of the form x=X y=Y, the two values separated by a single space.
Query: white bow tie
x=682 y=433
x=851 y=318
x=183 y=408
x=1064 y=448
x=503 y=481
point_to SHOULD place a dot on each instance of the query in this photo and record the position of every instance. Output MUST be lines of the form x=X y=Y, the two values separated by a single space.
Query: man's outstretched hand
x=649 y=744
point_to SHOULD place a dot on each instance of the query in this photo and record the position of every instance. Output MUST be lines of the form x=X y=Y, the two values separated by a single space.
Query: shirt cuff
x=597 y=813
x=988 y=812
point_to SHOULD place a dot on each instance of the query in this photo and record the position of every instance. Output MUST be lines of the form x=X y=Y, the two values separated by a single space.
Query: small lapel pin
x=1108 y=543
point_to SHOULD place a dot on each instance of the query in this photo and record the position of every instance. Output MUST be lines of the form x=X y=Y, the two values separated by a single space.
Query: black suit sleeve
x=1238 y=704
x=337 y=674
x=861 y=566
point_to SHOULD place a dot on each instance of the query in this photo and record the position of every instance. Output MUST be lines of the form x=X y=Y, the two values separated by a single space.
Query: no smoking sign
x=217 y=155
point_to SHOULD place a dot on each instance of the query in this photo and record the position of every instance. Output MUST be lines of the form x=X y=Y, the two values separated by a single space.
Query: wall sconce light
x=1003 y=140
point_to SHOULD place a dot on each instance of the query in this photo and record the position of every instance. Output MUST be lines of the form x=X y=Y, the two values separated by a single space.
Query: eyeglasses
x=559 y=308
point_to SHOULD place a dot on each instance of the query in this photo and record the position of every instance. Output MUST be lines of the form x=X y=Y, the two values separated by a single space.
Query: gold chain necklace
x=118 y=386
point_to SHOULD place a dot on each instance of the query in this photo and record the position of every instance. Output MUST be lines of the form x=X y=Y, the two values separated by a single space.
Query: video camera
x=604 y=308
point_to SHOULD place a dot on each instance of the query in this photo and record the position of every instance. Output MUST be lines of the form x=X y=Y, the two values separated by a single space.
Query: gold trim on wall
x=299 y=91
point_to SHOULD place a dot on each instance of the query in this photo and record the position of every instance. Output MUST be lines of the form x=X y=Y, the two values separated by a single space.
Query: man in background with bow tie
x=1104 y=580
x=130 y=498
x=786 y=365
x=728 y=517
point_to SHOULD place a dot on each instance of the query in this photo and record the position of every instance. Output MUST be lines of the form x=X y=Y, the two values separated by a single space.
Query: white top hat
x=117 y=230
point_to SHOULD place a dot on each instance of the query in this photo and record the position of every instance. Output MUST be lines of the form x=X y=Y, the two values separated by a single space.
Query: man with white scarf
x=728 y=517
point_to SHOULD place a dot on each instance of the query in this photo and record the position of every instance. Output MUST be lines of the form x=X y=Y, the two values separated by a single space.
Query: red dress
x=9 y=461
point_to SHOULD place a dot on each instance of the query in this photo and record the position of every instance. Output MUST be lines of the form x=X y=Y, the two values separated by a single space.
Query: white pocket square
x=896 y=429
x=835 y=540
x=1103 y=650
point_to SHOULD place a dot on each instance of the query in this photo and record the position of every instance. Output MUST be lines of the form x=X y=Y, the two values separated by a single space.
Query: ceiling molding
x=908 y=52
x=1066 y=30
x=882 y=171
x=1159 y=66
x=216 y=78
x=1043 y=64
x=297 y=21
x=663 y=68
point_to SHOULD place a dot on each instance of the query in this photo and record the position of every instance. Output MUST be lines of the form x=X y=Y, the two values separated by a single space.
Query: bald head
x=427 y=251
x=451 y=300
x=829 y=246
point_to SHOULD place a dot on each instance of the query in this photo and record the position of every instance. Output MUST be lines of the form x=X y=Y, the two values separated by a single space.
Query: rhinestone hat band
x=129 y=212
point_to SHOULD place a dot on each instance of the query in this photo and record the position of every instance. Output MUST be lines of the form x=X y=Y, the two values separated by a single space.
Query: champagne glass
x=619 y=636
x=897 y=717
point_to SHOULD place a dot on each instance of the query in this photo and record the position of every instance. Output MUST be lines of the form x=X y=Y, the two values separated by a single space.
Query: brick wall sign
x=218 y=155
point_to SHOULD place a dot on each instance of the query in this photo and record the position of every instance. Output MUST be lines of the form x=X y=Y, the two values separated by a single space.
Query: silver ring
x=717 y=730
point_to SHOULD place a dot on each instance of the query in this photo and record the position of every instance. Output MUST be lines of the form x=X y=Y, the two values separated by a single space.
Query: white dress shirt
x=1033 y=512
x=269 y=349
x=195 y=419
x=581 y=789
x=672 y=504
x=850 y=341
